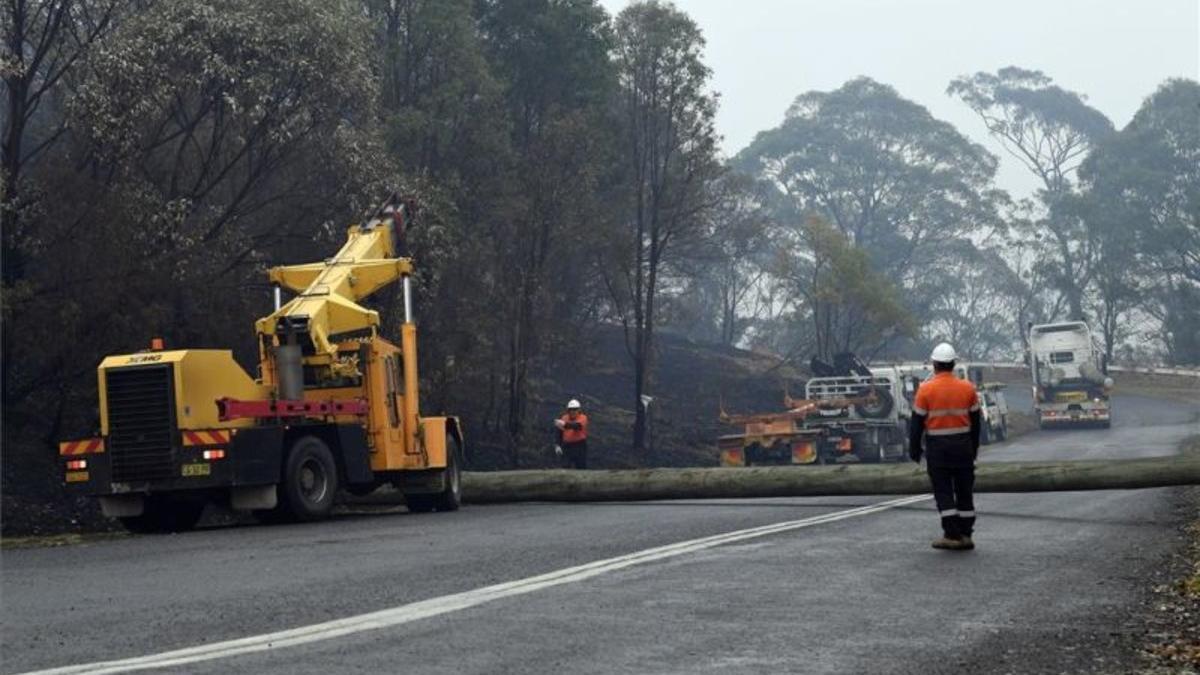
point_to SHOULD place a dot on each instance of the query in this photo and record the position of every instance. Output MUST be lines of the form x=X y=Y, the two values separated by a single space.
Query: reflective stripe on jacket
x=946 y=402
x=576 y=430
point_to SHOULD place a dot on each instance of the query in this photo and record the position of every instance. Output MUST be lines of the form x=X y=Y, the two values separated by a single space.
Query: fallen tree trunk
x=812 y=481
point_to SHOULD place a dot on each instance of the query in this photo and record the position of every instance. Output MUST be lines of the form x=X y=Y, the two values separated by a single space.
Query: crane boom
x=326 y=309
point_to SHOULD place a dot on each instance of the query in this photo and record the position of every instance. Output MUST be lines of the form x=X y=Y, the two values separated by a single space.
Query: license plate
x=77 y=476
x=197 y=469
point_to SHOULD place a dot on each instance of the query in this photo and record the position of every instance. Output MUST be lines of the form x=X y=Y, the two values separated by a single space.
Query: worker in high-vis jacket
x=946 y=416
x=572 y=436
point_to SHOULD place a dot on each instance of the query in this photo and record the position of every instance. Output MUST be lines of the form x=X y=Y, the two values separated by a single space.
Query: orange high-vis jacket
x=570 y=435
x=947 y=403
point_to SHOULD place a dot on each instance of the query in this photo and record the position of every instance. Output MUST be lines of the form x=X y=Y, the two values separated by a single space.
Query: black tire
x=880 y=409
x=985 y=434
x=163 y=515
x=310 y=480
x=1003 y=433
x=868 y=454
x=450 y=498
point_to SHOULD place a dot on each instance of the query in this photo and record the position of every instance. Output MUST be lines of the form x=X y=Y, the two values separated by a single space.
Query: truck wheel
x=985 y=434
x=310 y=479
x=165 y=515
x=881 y=408
x=1003 y=433
x=450 y=497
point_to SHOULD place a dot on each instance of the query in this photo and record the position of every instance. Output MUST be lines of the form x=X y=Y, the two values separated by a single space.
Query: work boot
x=948 y=543
x=965 y=543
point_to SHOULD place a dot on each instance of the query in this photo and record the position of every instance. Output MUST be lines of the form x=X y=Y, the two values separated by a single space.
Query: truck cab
x=1071 y=386
x=875 y=431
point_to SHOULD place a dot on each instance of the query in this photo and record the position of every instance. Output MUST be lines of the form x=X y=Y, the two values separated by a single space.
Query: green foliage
x=1151 y=172
x=203 y=140
x=889 y=176
x=1140 y=205
x=853 y=306
x=900 y=185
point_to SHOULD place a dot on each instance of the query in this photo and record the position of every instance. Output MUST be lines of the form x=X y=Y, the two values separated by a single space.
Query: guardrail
x=1147 y=370
x=1153 y=370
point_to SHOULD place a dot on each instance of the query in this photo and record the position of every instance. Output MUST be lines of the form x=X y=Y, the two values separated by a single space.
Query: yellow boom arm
x=326 y=308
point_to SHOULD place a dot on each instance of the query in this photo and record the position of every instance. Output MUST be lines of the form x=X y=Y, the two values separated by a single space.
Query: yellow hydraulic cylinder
x=411 y=424
x=408 y=352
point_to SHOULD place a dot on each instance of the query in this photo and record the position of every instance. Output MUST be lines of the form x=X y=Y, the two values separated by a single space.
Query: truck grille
x=141 y=423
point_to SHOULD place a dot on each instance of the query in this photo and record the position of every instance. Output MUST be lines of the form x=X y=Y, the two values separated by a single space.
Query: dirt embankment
x=689 y=384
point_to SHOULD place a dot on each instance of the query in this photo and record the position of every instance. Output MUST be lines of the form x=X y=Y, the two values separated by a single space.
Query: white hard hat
x=573 y=404
x=943 y=353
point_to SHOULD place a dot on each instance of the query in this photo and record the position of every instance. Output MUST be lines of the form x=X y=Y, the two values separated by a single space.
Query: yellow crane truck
x=335 y=406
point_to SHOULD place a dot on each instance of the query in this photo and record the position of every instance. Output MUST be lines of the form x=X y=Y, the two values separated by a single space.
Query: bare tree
x=669 y=152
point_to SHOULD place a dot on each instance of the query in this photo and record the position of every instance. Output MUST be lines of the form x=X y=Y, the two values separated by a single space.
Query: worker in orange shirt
x=572 y=436
x=946 y=415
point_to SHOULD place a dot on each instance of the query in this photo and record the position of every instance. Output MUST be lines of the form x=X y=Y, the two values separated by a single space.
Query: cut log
x=813 y=481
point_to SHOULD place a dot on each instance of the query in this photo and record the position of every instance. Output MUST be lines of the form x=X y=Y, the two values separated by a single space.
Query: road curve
x=843 y=591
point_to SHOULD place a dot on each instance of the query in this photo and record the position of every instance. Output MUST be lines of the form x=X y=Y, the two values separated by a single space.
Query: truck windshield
x=1061 y=328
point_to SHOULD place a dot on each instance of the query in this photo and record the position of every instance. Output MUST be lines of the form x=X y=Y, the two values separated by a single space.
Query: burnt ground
x=690 y=381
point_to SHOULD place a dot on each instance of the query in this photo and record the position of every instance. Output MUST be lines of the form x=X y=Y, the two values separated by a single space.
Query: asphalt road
x=834 y=591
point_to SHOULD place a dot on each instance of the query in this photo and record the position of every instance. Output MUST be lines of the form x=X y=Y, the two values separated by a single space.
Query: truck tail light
x=76 y=464
x=218 y=453
x=844 y=444
x=802 y=453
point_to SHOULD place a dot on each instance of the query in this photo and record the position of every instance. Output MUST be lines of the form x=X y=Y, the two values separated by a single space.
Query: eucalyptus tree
x=900 y=185
x=1050 y=130
x=1141 y=203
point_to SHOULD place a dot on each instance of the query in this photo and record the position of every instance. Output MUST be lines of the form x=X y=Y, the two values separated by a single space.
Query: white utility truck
x=1071 y=385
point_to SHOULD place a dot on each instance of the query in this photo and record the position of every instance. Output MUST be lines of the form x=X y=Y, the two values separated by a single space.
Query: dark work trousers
x=952 y=490
x=575 y=455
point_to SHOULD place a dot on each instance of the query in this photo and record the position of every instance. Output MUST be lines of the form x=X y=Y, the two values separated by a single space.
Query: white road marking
x=425 y=609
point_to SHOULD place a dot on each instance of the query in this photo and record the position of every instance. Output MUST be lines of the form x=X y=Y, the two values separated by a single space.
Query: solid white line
x=424 y=609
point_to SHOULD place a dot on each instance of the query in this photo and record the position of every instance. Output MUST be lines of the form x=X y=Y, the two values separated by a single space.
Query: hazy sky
x=765 y=52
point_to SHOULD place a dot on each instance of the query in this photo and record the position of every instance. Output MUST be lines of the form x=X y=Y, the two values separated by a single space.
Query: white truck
x=866 y=432
x=993 y=405
x=1070 y=382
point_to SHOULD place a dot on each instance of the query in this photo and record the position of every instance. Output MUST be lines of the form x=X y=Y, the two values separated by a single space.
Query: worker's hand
x=560 y=424
x=558 y=450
